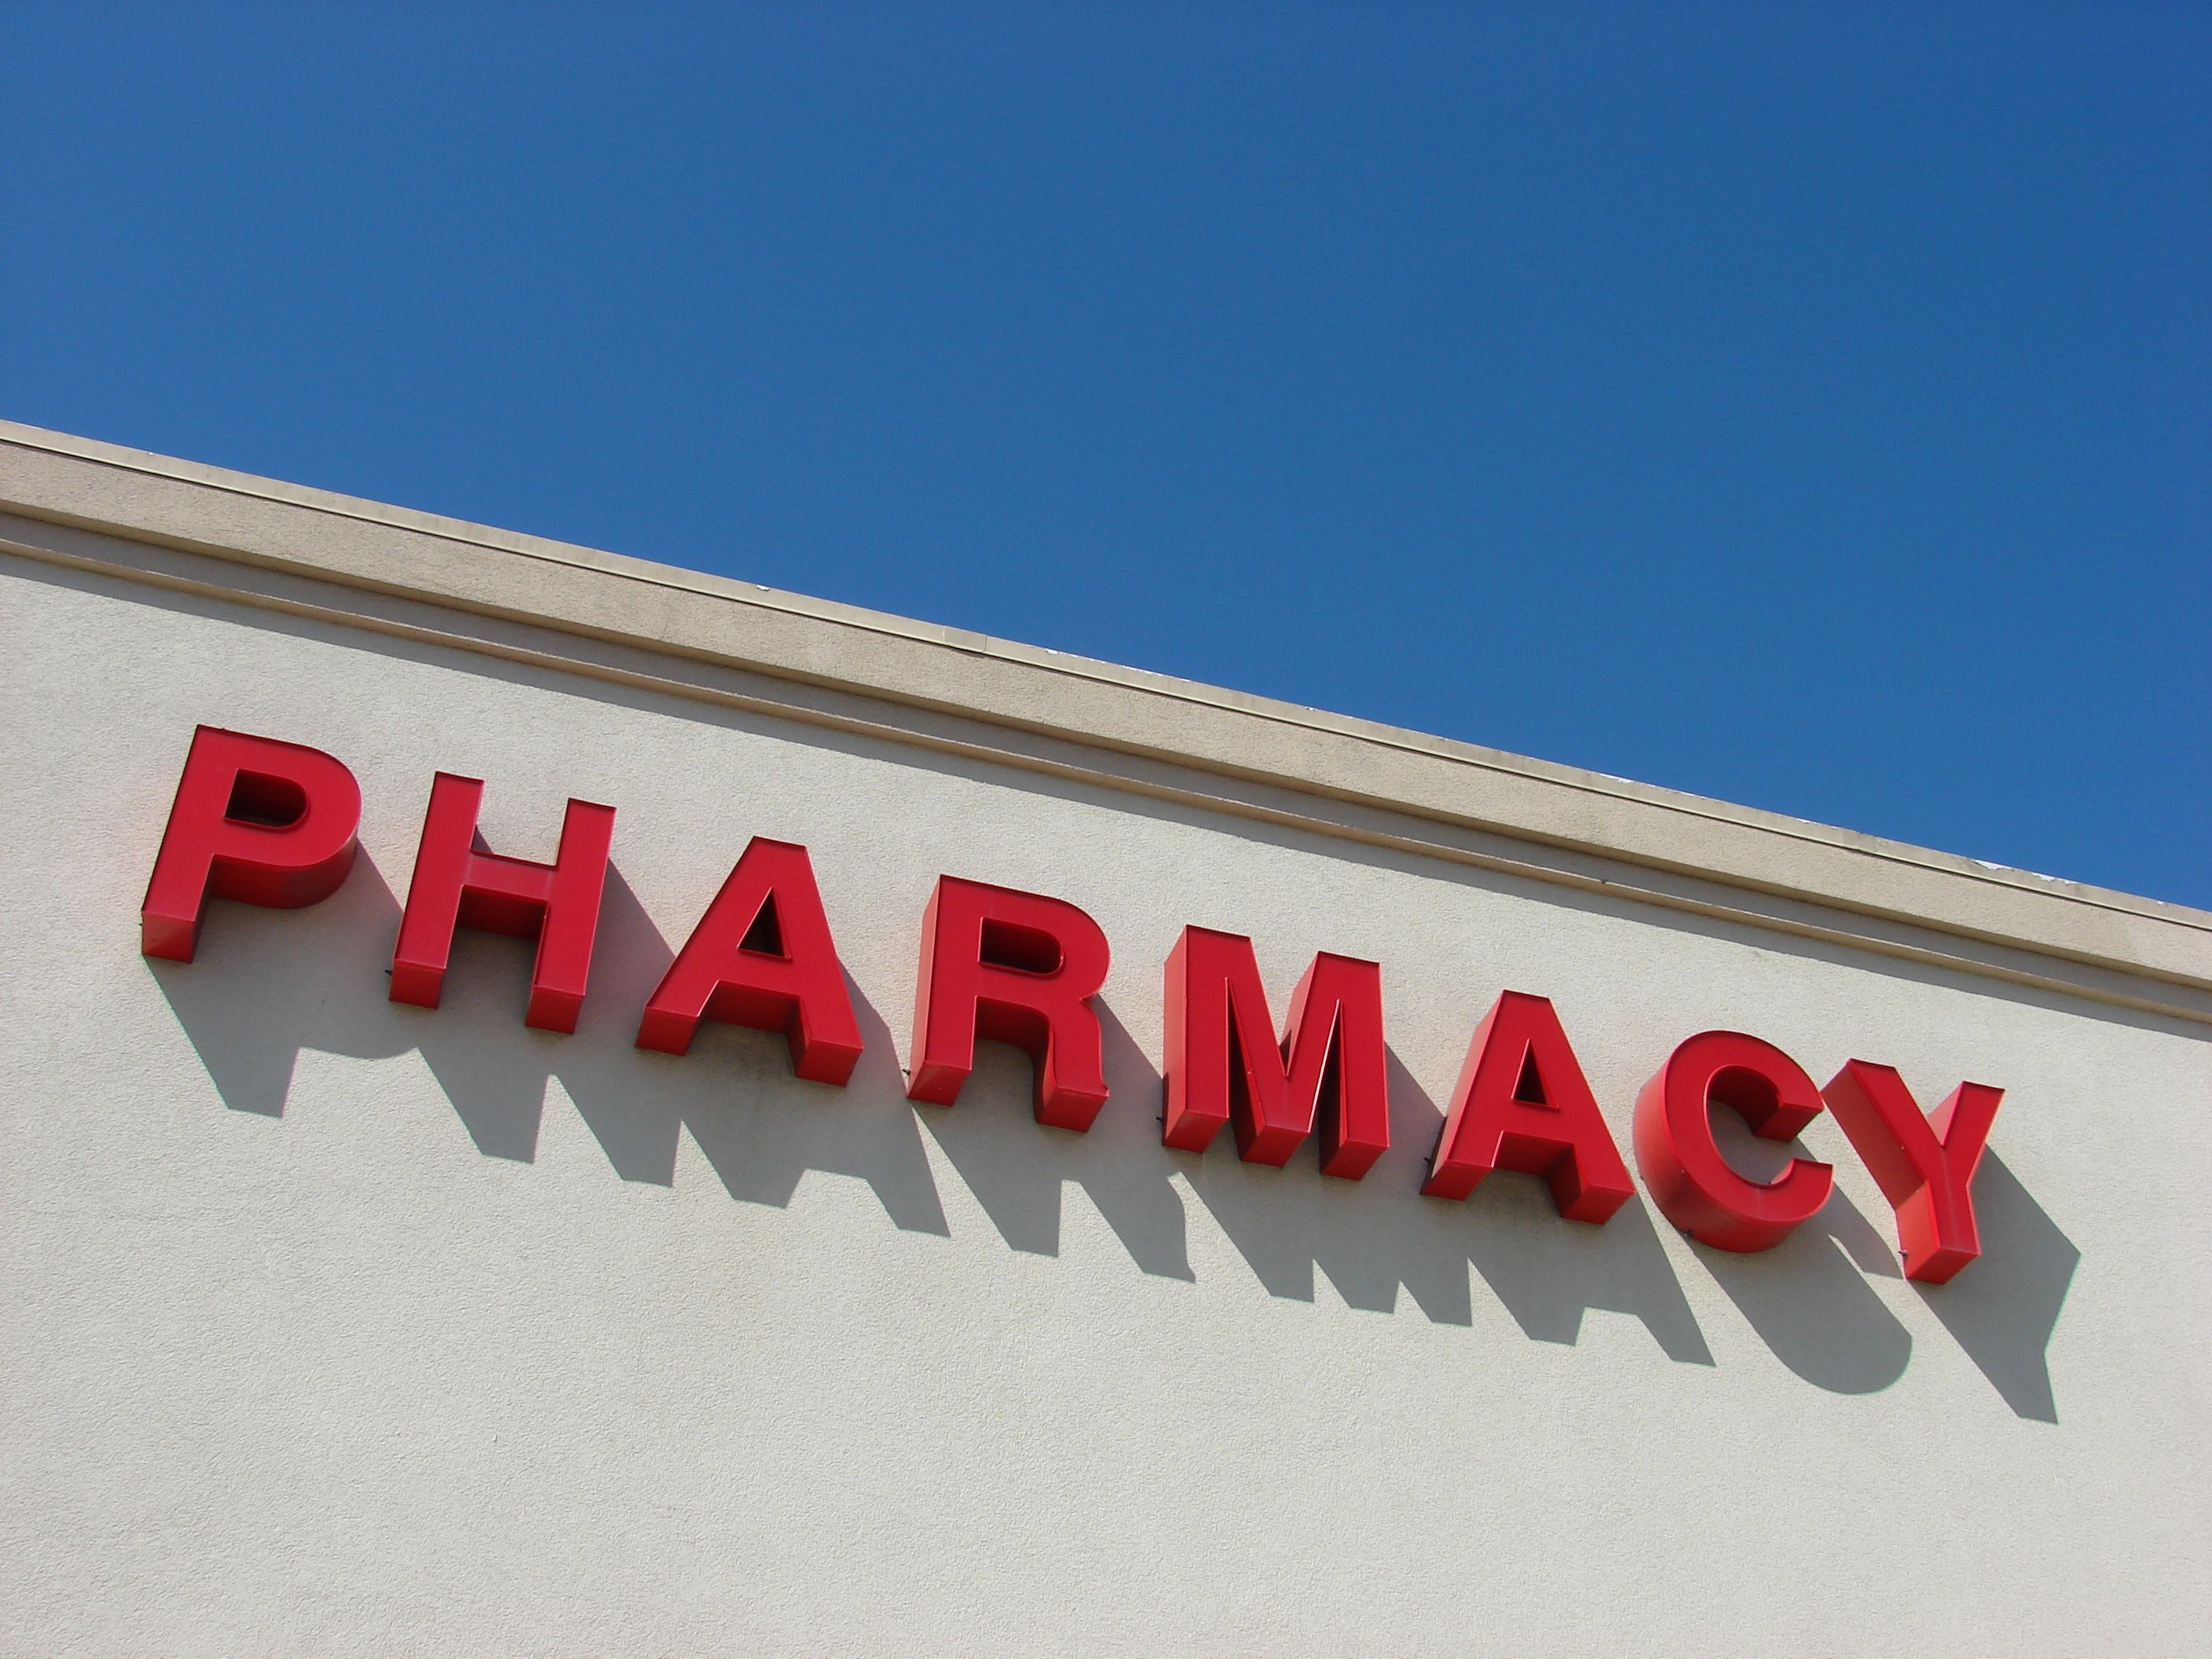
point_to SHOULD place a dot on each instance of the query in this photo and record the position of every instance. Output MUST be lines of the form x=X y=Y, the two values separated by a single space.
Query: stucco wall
x=328 y=1325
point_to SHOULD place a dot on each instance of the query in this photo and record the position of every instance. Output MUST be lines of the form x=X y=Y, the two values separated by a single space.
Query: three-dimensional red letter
x=1016 y=968
x=763 y=957
x=458 y=885
x=1923 y=1165
x=263 y=821
x=1223 y=1064
x=1690 y=1182
x=1523 y=1103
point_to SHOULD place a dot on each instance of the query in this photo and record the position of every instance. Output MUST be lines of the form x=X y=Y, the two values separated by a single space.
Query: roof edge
x=141 y=497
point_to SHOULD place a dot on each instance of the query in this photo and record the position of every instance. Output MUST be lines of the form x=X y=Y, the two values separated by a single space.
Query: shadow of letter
x=2003 y=1308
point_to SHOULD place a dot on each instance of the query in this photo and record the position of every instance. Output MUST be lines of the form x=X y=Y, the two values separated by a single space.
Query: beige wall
x=331 y=1326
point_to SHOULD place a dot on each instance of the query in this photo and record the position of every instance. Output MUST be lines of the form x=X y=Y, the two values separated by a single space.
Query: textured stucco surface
x=328 y=1326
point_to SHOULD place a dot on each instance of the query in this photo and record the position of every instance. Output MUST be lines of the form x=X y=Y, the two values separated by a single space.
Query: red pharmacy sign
x=275 y=824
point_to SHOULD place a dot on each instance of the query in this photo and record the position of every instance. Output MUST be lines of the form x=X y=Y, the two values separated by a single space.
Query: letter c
x=1693 y=1184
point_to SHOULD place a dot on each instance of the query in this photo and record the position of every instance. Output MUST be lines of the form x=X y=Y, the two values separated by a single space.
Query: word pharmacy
x=275 y=824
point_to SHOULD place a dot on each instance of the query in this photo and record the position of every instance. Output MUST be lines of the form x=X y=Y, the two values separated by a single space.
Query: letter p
x=263 y=821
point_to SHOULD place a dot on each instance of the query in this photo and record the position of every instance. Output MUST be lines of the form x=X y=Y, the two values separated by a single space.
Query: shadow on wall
x=262 y=991
x=1373 y=1236
x=1808 y=1297
x=2003 y=1308
x=268 y=984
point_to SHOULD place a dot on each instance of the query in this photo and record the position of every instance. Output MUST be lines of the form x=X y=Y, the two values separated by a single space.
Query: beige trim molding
x=280 y=547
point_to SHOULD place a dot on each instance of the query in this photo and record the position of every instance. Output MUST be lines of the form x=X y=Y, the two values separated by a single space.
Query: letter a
x=763 y=957
x=1523 y=1103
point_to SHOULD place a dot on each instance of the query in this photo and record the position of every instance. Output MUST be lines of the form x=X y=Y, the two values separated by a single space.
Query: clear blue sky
x=1806 y=406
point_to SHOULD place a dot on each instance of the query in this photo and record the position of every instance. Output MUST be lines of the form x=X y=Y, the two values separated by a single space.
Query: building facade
x=1161 y=1171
